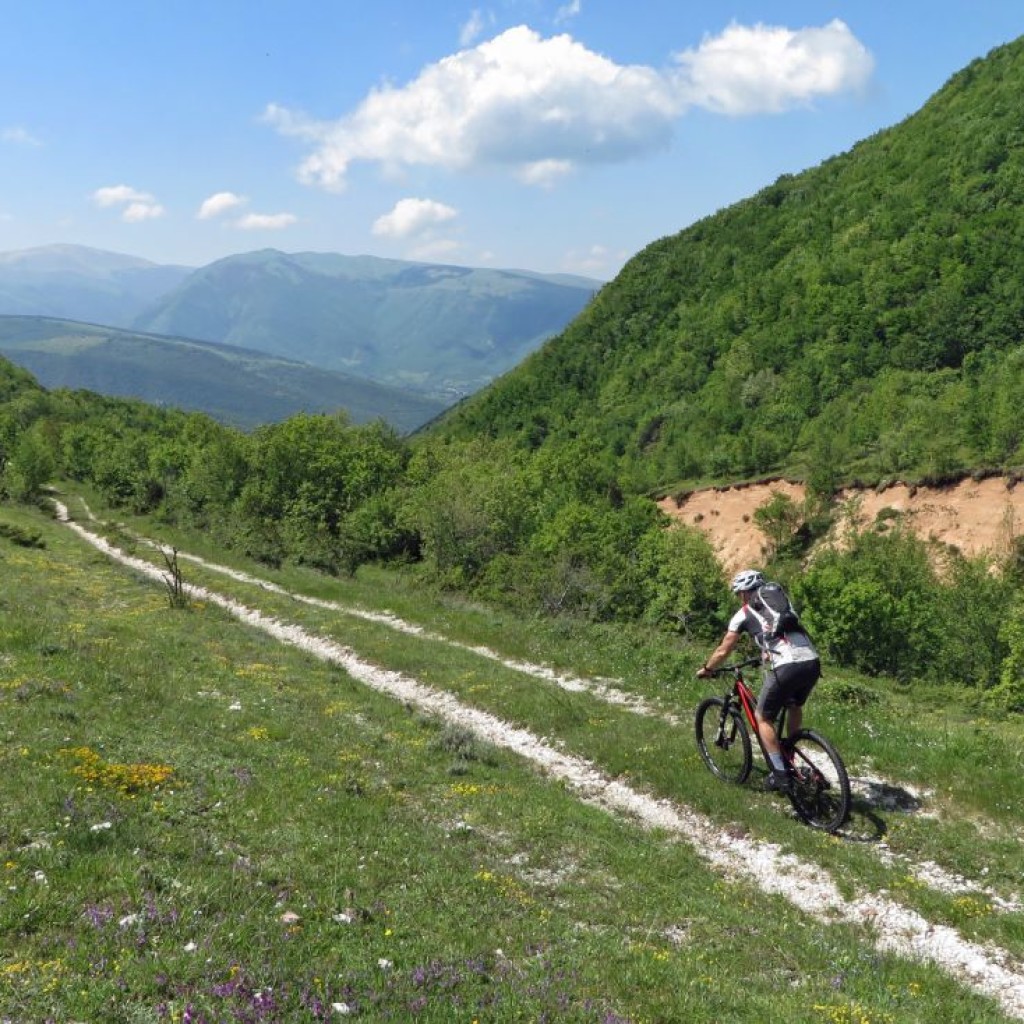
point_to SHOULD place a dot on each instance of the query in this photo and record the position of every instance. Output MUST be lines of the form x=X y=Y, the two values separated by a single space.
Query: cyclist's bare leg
x=768 y=734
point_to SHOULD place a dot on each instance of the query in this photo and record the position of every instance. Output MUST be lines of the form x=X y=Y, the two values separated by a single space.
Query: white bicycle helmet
x=746 y=579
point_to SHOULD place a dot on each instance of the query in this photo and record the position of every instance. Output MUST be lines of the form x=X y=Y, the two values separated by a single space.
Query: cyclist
x=792 y=669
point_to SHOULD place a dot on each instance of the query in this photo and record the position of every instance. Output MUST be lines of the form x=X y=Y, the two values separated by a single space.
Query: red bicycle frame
x=748 y=701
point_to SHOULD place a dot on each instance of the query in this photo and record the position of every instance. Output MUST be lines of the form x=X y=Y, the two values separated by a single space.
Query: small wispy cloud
x=545 y=173
x=19 y=136
x=436 y=250
x=476 y=25
x=596 y=261
x=473 y=29
x=266 y=221
x=135 y=206
x=568 y=11
x=218 y=204
x=134 y=213
x=114 y=195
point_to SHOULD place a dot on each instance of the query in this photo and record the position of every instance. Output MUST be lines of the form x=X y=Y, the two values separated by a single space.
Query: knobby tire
x=821 y=787
x=724 y=746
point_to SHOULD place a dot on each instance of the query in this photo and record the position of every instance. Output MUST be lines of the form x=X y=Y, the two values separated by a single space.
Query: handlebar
x=735 y=667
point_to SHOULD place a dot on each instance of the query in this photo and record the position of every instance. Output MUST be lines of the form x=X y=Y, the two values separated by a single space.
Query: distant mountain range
x=77 y=283
x=442 y=331
x=237 y=386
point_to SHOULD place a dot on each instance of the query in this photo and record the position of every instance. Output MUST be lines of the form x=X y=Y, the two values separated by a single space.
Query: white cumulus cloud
x=514 y=100
x=413 y=217
x=266 y=221
x=767 y=69
x=540 y=107
x=219 y=203
x=135 y=206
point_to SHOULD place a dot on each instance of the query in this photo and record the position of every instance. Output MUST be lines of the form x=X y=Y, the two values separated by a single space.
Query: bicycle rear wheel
x=821 y=787
x=723 y=740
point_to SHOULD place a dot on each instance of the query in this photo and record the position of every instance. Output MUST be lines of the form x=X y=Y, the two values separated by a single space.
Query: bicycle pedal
x=807 y=777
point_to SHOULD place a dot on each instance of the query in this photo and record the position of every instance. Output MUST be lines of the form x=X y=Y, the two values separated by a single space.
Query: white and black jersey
x=788 y=649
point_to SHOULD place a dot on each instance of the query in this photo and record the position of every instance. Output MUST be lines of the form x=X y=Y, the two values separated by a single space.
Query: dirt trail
x=895 y=928
x=974 y=516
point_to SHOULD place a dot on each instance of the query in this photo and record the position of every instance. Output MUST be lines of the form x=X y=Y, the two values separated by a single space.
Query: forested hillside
x=864 y=318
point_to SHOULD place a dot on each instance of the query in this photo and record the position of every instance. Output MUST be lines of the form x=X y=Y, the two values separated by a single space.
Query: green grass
x=200 y=823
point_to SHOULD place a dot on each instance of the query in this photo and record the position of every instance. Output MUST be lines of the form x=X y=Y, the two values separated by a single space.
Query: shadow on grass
x=871 y=796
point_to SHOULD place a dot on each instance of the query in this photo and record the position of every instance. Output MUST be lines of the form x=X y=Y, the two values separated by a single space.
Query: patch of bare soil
x=976 y=517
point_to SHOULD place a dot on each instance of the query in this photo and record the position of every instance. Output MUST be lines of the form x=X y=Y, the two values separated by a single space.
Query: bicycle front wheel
x=821 y=787
x=723 y=740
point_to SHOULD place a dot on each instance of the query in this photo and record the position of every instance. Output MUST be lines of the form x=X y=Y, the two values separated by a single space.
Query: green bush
x=1008 y=694
x=874 y=605
x=882 y=606
x=681 y=580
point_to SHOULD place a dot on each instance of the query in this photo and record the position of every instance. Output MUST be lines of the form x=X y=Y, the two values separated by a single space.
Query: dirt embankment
x=974 y=516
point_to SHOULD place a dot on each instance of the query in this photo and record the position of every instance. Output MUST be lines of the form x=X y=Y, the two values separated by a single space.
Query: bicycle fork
x=727 y=726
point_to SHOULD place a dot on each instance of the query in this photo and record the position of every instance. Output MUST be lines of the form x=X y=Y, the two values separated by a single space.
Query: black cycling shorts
x=787 y=685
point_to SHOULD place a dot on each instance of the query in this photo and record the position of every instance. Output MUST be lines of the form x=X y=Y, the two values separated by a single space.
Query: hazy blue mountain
x=79 y=283
x=439 y=329
x=237 y=386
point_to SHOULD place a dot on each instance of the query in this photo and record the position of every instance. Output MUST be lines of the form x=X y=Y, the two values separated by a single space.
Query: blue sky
x=551 y=135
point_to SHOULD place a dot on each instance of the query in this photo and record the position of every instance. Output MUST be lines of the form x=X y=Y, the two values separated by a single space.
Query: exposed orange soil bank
x=974 y=516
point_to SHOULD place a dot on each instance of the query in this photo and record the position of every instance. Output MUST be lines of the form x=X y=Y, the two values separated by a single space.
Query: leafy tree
x=682 y=583
x=31 y=464
x=778 y=519
x=975 y=599
x=471 y=504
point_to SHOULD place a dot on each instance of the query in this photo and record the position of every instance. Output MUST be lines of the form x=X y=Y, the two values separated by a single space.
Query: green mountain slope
x=443 y=330
x=237 y=386
x=865 y=316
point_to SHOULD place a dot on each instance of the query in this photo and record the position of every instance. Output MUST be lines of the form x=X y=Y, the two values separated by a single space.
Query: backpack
x=772 y=606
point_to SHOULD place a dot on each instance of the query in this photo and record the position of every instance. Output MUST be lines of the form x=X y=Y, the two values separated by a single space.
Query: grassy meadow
x=202 y=824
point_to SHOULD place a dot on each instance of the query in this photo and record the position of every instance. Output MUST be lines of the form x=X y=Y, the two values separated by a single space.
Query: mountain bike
x=820 y=787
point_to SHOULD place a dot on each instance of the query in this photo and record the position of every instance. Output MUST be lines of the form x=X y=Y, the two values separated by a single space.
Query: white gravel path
x=895 y=928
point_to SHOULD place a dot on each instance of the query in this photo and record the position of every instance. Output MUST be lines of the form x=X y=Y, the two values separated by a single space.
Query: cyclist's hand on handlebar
x=704 y=672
